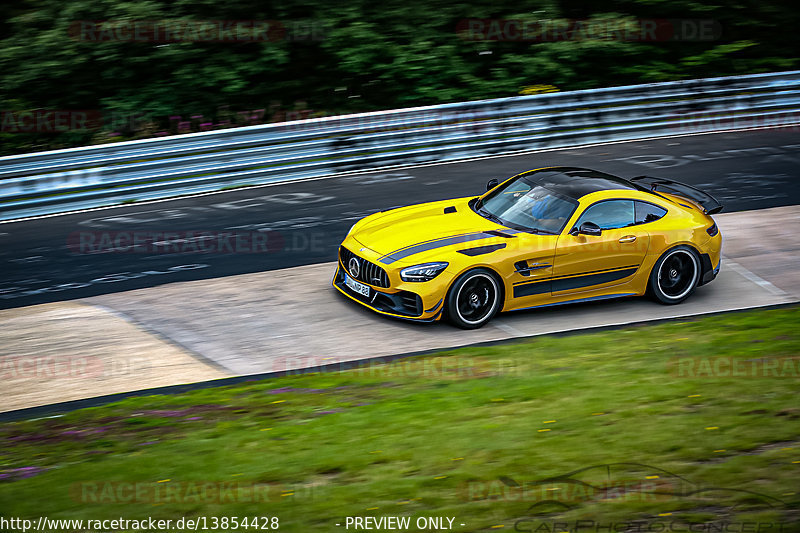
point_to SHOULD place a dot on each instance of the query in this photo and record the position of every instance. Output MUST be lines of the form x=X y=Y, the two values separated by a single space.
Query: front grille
x=368 y=272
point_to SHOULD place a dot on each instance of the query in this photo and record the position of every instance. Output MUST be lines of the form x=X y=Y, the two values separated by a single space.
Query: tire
x=675 y=275
x=473 y=299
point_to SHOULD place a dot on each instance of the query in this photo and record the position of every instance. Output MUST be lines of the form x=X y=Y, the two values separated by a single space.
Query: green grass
x=461 y=434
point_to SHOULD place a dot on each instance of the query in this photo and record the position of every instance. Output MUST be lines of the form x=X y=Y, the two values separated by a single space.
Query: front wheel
x=675 y=275
x=473 y=299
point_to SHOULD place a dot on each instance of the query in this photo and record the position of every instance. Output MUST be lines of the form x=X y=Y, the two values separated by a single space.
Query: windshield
x=528 y=206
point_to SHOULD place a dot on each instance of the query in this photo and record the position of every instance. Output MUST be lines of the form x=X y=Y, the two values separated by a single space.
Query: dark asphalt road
x=72 y=256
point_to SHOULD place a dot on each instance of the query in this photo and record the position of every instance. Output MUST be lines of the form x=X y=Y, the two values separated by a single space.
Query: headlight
x=425 y=272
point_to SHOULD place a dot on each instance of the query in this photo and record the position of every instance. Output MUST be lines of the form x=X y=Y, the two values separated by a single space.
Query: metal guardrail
x=93 y=176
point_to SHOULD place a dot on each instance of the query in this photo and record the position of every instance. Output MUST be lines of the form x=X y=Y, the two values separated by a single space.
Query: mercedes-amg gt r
x=548 y=236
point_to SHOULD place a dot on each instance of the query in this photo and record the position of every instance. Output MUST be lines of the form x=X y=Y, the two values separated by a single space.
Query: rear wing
x=709 y=204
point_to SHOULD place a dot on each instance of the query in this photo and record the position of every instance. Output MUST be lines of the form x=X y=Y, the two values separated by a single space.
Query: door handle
x=628 y=238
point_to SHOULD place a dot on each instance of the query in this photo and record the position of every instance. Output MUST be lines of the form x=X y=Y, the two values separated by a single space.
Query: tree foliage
x=364 y=56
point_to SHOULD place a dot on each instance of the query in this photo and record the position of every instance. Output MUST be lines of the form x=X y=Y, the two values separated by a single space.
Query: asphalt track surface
x=68 y=256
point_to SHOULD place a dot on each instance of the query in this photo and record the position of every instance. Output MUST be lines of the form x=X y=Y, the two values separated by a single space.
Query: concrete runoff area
x=765 y=242
x=292 y=318
x=69 y=351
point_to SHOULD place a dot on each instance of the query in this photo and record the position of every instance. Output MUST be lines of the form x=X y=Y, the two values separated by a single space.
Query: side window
x=609 y=214
x=647 y=212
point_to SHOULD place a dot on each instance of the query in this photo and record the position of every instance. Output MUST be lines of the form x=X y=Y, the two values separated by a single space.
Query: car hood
x=421 y=230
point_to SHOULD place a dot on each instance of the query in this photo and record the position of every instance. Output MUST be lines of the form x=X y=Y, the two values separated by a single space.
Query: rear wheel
x=675 y=275
x=473 y=299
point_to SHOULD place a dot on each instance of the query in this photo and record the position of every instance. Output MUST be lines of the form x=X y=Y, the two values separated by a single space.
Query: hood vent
x=451 y=209
x=480 y=250
x=499 y=234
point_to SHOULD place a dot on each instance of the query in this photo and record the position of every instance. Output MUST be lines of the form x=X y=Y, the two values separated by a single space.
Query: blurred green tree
x=337 y=58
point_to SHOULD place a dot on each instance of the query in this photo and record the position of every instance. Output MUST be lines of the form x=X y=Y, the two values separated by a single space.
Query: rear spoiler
x=709 y=204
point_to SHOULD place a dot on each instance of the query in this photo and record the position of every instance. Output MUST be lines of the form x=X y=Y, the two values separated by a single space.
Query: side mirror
x=491 y=184
x=587 y=228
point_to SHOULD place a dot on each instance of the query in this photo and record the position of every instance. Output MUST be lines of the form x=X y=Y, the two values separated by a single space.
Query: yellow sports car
x=548 y=236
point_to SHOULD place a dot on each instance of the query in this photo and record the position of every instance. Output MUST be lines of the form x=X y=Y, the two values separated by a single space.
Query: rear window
x=647 y=212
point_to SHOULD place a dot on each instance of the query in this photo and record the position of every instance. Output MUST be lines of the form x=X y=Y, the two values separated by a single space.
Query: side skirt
x=579 y=300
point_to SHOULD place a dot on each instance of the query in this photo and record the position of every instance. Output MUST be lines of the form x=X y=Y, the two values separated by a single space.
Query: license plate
x=360 y=288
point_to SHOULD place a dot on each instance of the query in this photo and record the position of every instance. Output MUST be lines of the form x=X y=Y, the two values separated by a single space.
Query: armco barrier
x=93 y=176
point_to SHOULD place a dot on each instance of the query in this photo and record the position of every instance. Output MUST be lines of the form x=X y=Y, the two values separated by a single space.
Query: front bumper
x=396 y=303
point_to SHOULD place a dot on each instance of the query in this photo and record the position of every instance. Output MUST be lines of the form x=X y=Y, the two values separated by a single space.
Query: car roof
x=577 y=182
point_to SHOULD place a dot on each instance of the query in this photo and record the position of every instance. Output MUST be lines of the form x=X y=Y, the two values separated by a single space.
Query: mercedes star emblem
x=352 y=266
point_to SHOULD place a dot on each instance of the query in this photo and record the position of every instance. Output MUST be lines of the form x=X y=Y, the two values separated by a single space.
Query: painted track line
x=758 y=280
